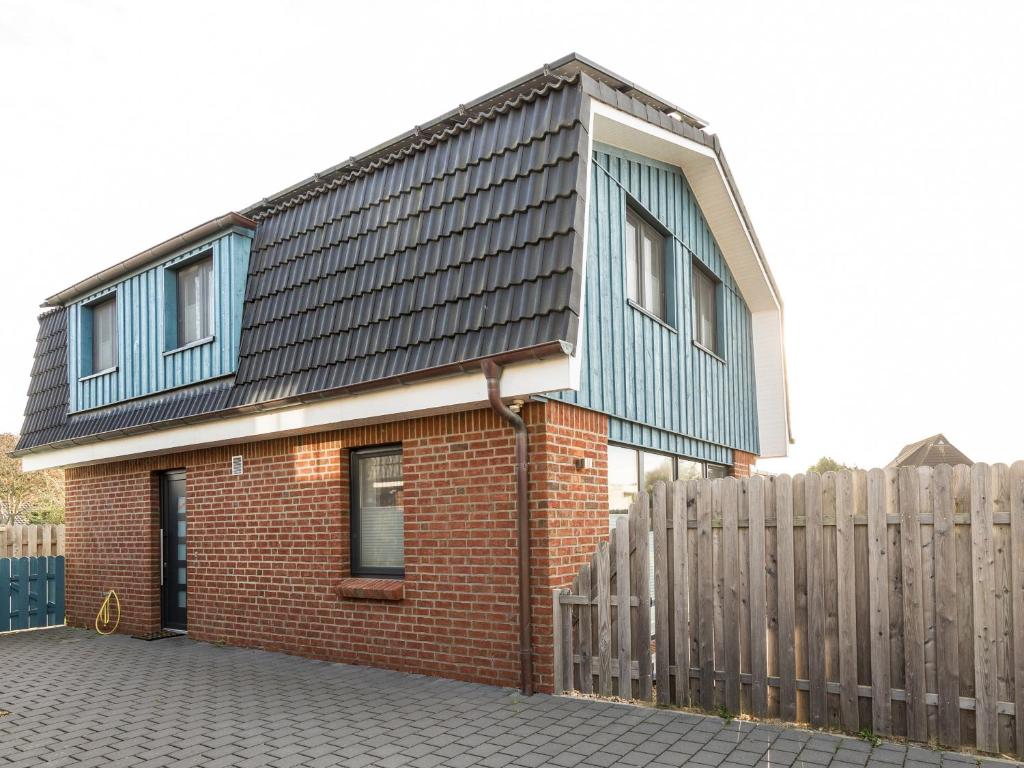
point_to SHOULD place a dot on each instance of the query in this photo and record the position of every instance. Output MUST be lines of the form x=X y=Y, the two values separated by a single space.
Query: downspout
x=492 y=372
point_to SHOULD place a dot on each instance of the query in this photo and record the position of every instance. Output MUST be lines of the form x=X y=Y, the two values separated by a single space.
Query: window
x=630 y=470
x=689 y=470
x=645 y=265
x=623 y=483
x=717 y=470
x=101 y=320
x=194 y=302
x=705 y=309
x=378 y=539
x=655 y=467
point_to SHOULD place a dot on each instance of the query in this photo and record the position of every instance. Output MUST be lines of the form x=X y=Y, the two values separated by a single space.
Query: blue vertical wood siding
x=662 y=392
x=143 y=368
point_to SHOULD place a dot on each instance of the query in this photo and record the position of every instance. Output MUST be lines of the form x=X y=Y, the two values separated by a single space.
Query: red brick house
x=378 y=416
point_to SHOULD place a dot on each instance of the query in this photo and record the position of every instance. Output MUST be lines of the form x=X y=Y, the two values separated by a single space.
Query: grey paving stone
x=180 y=703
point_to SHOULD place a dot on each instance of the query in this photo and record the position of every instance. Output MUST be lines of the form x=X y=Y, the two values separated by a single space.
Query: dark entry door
x=174 y=522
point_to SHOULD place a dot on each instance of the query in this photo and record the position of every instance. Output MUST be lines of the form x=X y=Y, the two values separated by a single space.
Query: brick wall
x=267 y=549
x=743 y=464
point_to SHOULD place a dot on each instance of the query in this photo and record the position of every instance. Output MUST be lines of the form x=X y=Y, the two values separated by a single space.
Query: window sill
x=707 y=351
x=654 y=317
x=96 y=375
x=190 y=345
x=372 y=589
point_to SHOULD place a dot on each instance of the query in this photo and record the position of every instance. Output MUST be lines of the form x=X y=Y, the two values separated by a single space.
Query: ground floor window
x=378 y=540
x=631 y=469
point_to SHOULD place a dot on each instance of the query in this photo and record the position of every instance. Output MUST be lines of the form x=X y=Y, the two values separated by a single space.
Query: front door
x=173 y=522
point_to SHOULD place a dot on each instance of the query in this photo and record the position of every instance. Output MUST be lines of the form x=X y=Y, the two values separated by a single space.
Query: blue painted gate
x=31 y=592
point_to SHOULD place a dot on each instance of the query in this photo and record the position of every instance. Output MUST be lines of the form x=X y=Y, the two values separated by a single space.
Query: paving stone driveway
x=78 y=699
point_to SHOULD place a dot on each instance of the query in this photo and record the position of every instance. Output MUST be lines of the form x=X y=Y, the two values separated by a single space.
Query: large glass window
x=104 y=335
x=655 y=467
x=645 y=264
x=195 y=301
x=623 y=482
x=378 y=539
x=705 y=309
x=689 y=470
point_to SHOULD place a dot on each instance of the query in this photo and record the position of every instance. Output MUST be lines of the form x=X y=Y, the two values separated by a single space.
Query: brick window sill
x=372 y=589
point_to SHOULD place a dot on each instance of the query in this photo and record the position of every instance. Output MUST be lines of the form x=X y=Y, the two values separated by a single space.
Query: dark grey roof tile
x=462 y=245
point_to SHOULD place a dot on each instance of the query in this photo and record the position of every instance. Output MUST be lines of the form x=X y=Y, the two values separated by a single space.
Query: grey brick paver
x=180 y=703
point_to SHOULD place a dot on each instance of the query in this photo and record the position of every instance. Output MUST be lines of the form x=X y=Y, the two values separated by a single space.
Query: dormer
x=166 y=318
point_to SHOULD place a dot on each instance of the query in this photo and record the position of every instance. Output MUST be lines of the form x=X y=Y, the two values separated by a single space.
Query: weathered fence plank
x=622 y=610
x=661 y=595
x=787 y=596
x=758 y=599
x=913 y=605
x=680 y=594
x=878 y=574
x=604 y=622
x=586 y=632
x=815 y=601
x=947 y=660
x=847 y=584
x=985 y=683
x=731 y=602
x=705 y=590
x=1017 y=579
x=641 y=571
x=31 y=540
x=889 y=598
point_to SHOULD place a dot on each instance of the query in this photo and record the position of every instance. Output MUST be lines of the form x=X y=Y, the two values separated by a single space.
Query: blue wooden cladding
x=145 y=364
x=31 y=592
x=663 y=392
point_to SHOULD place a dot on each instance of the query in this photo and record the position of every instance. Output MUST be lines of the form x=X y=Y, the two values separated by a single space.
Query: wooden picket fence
x=883 y=600
x=31 y=592
x=31 y=540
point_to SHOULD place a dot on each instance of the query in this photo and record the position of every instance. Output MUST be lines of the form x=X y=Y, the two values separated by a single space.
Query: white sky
x=878 y=146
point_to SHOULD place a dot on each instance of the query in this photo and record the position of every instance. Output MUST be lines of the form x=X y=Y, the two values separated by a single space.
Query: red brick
x=268 y=550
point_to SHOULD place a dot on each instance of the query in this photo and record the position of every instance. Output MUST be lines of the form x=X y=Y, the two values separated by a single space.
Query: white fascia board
x=424 y=398
x=707 y=179
x=576 y=362
x=770 y=379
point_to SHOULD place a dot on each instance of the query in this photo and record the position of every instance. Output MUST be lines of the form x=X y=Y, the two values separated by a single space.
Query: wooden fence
x=31 y=540
x=882 y=600
x=31 y=592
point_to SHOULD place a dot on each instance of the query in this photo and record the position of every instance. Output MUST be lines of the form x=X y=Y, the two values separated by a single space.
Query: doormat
x=157 y=635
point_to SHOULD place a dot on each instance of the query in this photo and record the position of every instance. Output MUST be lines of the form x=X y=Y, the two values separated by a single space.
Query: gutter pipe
x=492 y=372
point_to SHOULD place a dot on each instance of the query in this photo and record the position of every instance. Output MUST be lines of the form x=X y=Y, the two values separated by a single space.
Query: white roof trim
x=426 y=398
x=710 y=185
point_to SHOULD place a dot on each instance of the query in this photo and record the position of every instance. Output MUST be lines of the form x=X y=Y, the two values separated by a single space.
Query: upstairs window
x=194 y=309
x=101 y=323
x=705 y=309
x=645 y=265
x=378 y=538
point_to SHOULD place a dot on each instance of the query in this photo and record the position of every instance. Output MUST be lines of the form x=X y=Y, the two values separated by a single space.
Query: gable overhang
x=712 y=185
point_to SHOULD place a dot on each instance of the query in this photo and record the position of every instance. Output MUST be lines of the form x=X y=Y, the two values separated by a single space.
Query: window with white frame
x=194 y=301
x=645 y=265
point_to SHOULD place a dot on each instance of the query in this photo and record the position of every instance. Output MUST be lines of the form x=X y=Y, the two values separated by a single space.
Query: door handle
x=162 y=563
